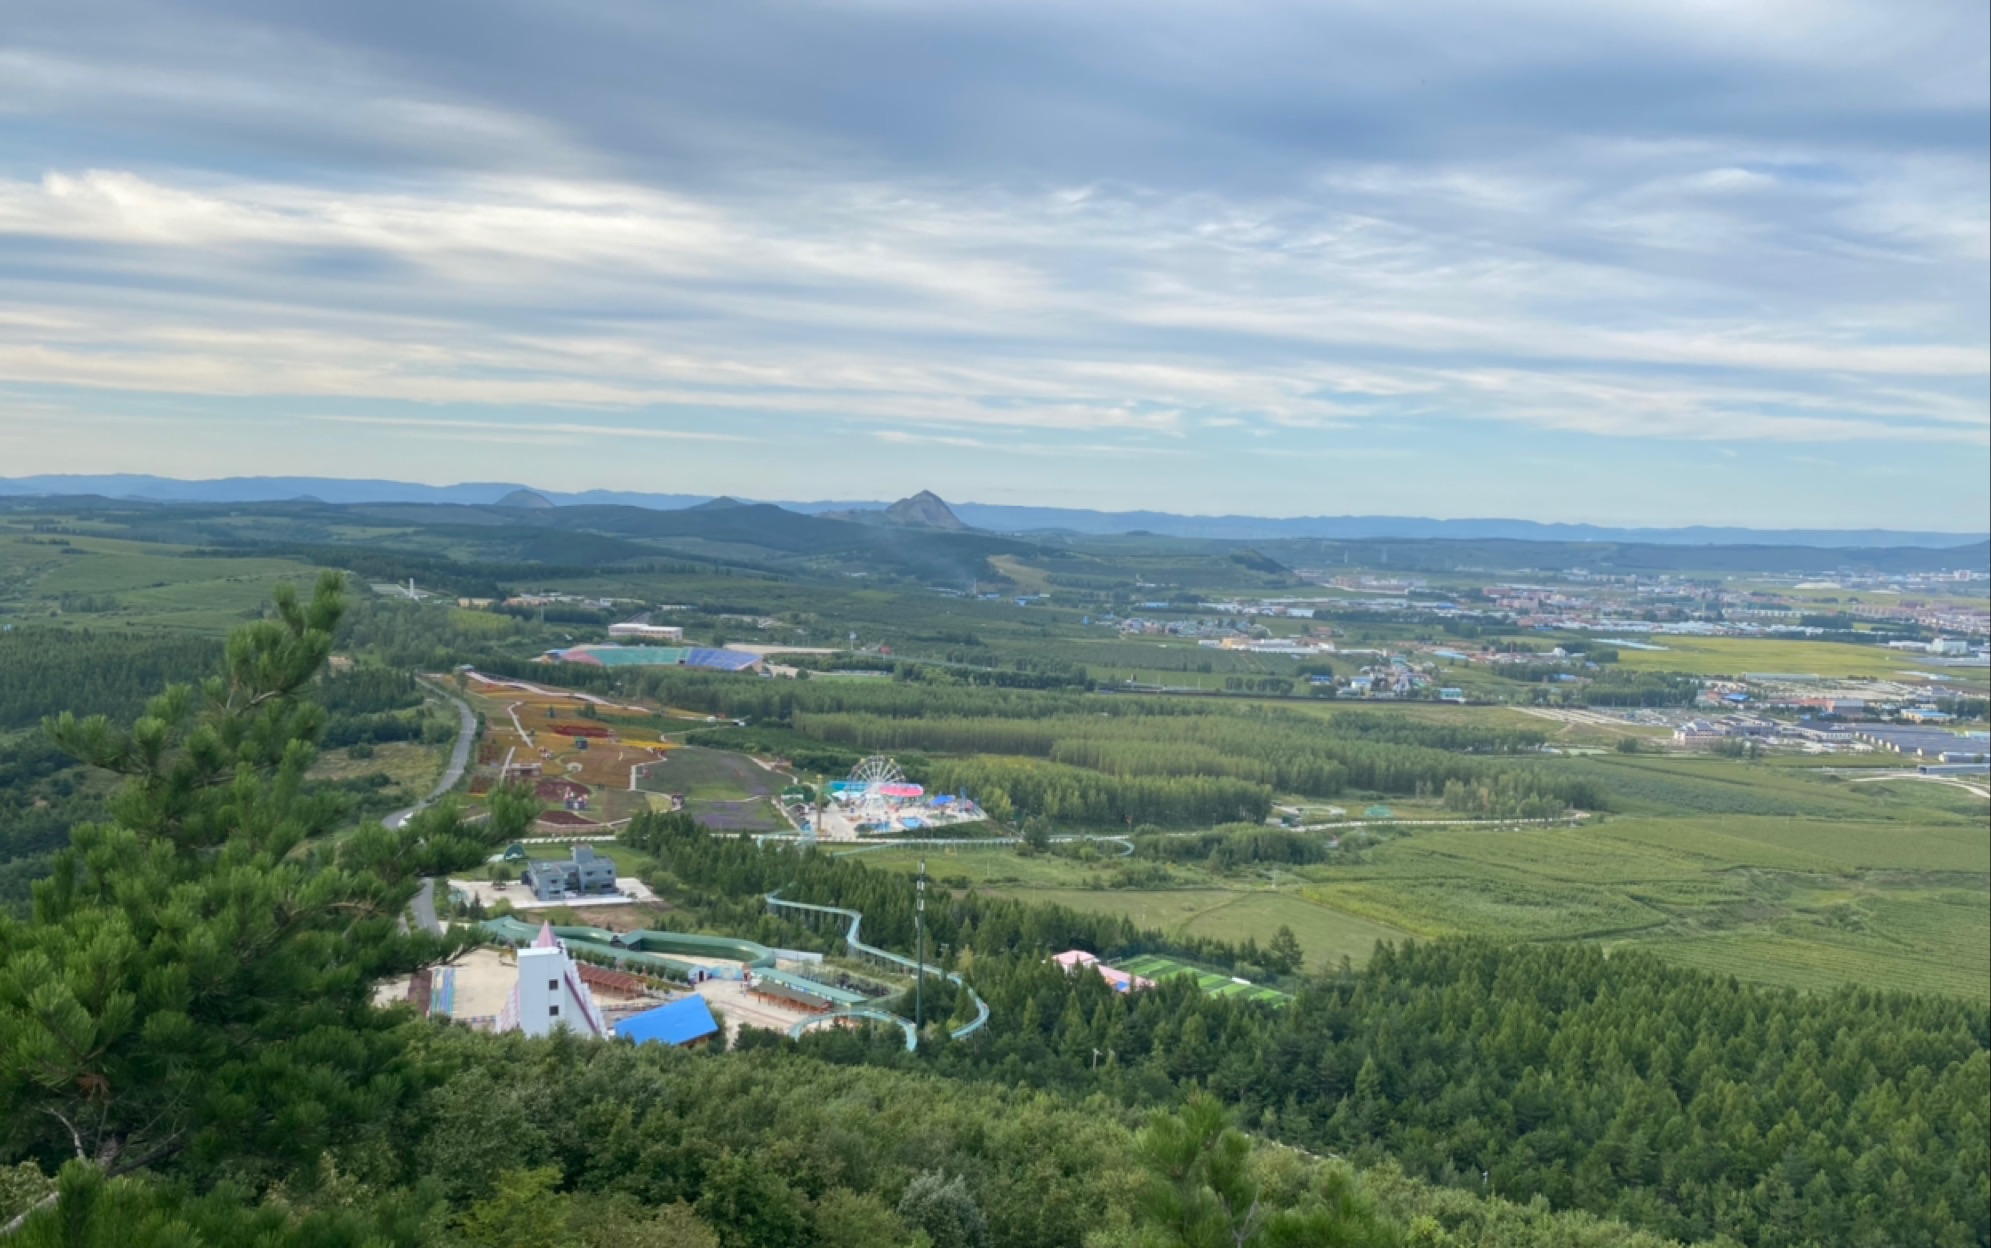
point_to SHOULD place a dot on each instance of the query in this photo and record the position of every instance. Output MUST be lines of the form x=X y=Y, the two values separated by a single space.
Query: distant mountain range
x=926 y=510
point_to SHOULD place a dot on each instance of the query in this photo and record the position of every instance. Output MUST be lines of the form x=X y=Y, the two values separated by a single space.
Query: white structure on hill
x=549 y=993
x=648 y=632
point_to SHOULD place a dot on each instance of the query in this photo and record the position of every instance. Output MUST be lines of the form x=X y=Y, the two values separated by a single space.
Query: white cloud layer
x=1152 y=228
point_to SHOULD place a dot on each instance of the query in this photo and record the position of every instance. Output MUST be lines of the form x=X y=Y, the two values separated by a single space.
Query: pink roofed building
x=1073 y=959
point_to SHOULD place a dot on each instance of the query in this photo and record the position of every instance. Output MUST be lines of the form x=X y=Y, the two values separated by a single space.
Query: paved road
x=423 y=907
x=459 y=762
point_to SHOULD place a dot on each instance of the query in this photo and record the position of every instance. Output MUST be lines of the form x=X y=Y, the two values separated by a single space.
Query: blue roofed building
x=686 y=1021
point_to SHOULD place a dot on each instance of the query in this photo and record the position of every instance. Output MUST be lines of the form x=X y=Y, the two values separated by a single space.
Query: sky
x=1679 y=262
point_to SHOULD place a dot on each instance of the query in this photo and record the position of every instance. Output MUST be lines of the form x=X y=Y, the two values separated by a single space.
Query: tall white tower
x=549 y=993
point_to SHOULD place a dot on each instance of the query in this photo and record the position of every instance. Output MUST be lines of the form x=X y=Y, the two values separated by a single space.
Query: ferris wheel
x=876 y=772
x=877 y=790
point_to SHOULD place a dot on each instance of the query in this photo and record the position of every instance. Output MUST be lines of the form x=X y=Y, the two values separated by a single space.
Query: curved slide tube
x=857 y=946
x=645 y=950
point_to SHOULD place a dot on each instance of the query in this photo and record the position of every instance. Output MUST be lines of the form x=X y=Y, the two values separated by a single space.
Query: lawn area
x=723 y=790
x=627 y=860
x=708 y=775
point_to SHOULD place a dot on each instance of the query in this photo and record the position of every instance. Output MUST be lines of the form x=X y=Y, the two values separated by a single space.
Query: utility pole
x=919 y=923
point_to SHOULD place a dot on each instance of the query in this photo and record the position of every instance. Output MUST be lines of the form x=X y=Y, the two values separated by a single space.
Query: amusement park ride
x=877 y=799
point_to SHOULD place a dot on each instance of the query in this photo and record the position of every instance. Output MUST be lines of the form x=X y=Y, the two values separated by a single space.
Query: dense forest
x=45 y=671
x=1684 y=1103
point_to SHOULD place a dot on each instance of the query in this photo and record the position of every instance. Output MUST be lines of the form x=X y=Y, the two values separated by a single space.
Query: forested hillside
x=45 y=671
x=1677 y=1101
x=189 y=1054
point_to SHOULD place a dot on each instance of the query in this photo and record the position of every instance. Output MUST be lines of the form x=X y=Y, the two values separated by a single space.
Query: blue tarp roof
x=680 y=1022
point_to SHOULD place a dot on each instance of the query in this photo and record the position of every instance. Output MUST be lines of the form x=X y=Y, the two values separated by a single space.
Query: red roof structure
x=613 y=981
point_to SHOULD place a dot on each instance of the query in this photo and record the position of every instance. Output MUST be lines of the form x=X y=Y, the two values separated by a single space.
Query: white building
x=549 y=993
x=1949 y=646
x=651 y=632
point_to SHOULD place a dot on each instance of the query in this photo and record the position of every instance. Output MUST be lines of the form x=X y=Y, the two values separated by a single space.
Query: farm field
x=1732 y=656
x=123 y=582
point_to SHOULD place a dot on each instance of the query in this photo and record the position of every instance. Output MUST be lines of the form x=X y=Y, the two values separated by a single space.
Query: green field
x=627 y=861
x=1732 y=656
x=138 y=583
x=1156 y=967
x=1883 y=885
x=1805 y=902
x=414 y=767
x=1221 y=909
x=723 y=790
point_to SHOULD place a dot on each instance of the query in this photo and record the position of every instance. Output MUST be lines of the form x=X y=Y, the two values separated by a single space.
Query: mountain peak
x=528 y=499
x=925 y=510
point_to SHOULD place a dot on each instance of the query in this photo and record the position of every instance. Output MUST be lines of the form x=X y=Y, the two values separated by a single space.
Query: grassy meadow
x=1771 y=873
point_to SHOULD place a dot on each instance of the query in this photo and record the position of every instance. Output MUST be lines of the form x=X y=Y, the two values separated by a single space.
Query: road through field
x=1978 y=789
x=459 y=761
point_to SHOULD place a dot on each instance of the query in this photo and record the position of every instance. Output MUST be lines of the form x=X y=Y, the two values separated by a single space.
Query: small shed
x=1379 y=812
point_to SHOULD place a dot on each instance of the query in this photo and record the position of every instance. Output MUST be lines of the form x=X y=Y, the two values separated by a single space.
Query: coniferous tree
x=193 y=986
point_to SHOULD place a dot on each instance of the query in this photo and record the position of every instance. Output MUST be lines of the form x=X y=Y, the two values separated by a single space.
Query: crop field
x=139 y=583
x=1732 y=656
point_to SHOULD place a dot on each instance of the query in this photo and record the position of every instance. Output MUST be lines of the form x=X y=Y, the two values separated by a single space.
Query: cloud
x=1094 y=230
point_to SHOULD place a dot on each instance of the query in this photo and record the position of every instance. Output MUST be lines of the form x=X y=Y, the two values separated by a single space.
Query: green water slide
x=645 y=950
x=857 y=947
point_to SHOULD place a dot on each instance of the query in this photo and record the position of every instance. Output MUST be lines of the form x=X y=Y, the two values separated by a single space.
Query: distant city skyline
x=1633 y=265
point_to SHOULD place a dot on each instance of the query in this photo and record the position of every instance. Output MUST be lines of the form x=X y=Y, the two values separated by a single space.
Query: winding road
x=423 y=908
x=459 y=761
